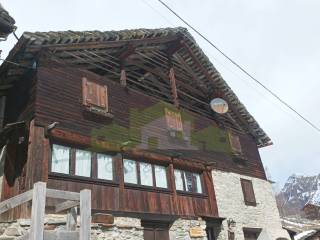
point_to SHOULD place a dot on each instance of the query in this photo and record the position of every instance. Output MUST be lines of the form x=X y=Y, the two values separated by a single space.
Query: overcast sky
x=275 y=40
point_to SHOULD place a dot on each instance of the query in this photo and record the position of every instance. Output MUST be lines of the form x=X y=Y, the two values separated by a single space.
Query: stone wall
x=231 y=205
x=123 y=228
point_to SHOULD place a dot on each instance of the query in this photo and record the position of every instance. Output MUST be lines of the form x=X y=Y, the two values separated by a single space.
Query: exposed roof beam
x=106 y=44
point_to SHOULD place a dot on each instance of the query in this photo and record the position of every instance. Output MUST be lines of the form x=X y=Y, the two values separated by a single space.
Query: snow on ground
x=304 y=235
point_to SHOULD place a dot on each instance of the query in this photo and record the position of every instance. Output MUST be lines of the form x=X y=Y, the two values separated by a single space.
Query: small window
x=248 y=192
x=60 y=159
x=188 y=181
x=235 y=143
x=94 y=95
x=146 y=174
x=161 y=176
x=178 y=179
x=105 y=167
x=83 y=163
x=130 y=171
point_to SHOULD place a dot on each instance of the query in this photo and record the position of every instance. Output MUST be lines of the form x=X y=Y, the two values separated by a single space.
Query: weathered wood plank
x=38 y=211
x=53 y=193
x=66 y=205
x=15 y=201
x=85 y=214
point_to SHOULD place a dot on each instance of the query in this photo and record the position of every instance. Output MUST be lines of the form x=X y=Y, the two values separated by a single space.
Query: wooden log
x=123 y=78
x=85 y=214
x=72 y=219
x=15 y=201
x=60 y=194
x=38 y=211
x=66 y=205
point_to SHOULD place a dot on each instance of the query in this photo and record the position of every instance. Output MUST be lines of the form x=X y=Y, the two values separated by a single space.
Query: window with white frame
x=145 y=174
x=188 y=181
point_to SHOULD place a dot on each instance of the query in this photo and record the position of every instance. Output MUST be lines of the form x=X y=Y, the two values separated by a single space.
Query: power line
x=241 y=68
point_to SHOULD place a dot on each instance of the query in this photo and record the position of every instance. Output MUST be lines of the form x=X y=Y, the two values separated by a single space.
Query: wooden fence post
x=38 y=211
x=72 y=219
x=85 y=214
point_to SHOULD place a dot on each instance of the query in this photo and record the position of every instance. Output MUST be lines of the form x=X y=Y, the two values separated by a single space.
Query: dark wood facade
x=53 y=94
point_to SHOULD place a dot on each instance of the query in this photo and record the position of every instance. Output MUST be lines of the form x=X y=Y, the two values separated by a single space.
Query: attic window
x=235 y=143
x=94 y=96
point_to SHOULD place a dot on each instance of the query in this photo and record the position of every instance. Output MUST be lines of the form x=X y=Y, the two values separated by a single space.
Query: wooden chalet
x=127 y=115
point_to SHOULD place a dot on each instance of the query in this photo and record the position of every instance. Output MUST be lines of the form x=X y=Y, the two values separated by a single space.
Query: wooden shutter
x=235 y=143
x=174 y=120
x=94 y=94
x=248 y=192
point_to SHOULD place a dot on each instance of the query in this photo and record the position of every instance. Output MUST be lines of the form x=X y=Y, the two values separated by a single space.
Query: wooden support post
x=85 y=214
x=123 y=78
x=72 y=219
x=173 y=87
x=38 y=211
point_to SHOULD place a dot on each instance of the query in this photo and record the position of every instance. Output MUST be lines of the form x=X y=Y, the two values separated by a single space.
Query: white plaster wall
x=231 y=204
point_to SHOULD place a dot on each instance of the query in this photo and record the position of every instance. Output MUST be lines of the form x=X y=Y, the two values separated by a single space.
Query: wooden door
x=155 y=234
x=250 y=236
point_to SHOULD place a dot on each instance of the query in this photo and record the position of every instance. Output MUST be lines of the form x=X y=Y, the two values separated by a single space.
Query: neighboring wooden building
x=126 y=114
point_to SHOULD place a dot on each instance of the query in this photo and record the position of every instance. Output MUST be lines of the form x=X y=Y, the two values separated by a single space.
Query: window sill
x=192 y=194
x=74 y=178
x=147 y=188
x=91 y=110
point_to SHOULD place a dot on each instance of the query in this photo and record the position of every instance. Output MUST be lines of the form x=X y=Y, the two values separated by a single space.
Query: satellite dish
x=219 y=105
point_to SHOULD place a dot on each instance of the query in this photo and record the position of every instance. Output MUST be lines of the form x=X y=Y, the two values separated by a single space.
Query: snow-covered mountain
x=297 y=191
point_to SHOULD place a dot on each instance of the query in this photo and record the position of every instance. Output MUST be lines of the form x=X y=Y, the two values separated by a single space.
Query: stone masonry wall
x=123 y=228
x=231 y=205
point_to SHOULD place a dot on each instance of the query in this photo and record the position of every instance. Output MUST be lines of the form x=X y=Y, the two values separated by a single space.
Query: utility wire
x=240 y=67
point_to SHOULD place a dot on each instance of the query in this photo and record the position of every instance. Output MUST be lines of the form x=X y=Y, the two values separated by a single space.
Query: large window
x=145 y=174
x=188 y=181
x=105 y=167
x=77 y=162
x=60 y=159
x=83 y=163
